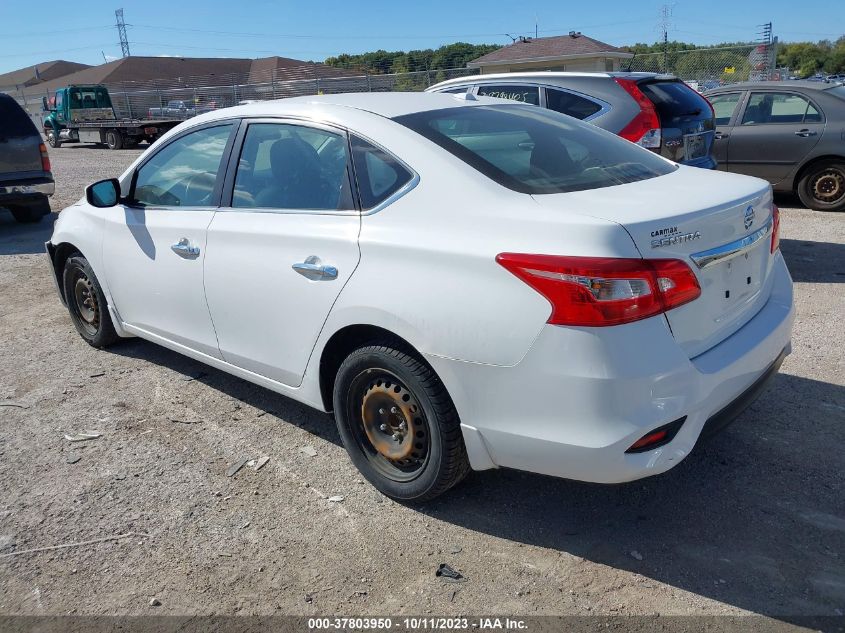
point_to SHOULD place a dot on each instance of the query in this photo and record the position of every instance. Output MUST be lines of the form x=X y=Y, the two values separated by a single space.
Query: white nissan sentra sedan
x=467 y=284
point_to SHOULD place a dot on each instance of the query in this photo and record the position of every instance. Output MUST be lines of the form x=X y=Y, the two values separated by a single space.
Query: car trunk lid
x=719 y=224
x=686 y=120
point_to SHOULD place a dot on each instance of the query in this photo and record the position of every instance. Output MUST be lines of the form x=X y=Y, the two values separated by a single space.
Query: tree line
x=804 y=59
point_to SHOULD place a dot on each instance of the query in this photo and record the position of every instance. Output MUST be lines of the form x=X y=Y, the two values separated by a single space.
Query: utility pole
x=121 y=31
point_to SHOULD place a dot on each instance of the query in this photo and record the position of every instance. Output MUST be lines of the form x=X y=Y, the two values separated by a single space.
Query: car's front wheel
x=86 y=303
x=822 y=187
x=398 y=423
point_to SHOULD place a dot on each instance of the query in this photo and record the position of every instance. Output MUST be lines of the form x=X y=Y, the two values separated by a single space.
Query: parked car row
x=466 y=282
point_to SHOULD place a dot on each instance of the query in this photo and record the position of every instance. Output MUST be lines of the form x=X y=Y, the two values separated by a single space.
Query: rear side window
x=379 y=174
x=570 y=104
x=457 y=91
x=523 y=94
x=14 y=121
x=675 y=100
x=536 y=151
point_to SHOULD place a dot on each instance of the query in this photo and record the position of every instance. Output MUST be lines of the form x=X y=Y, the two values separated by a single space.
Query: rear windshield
x=536 y=151
x=14 y=121
x=838 y=91
x=675 y=100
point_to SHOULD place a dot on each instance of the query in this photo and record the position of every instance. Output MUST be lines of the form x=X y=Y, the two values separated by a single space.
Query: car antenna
x=631 y=62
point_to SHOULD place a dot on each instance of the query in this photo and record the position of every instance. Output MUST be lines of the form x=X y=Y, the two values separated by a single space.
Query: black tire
x=114 y=139
x=374 y=374
x=86 y=303
x=822 y=187
x=52 y=139
x=30 y=213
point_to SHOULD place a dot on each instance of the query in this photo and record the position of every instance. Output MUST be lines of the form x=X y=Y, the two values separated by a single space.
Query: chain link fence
x=707 y=68
x=185 y=97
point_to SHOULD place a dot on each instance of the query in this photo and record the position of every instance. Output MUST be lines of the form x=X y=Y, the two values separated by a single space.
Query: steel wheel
x=85 y=304
x=391 y=427
x=822 y=186
x=828 y=186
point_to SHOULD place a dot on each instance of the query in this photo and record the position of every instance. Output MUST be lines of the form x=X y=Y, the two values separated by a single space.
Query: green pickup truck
x=84 y=114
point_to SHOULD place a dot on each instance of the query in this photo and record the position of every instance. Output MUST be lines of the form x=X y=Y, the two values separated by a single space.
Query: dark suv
x=26 y=181
x=659 y=112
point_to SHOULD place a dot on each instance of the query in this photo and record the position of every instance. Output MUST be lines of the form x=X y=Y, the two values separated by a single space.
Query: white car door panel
x=280 y=255
x=154 y=244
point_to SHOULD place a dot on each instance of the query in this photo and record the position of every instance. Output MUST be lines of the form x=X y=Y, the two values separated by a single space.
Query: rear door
x=282 y=246
x=726 y=105
x=776 y=130
x=20 y=156
x=686 y=121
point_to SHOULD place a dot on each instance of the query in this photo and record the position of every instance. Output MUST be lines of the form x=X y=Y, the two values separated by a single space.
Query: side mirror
x=44 y=105
x=103 y=194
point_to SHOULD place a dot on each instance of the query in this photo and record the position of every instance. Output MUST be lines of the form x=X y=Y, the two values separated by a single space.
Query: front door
x=280 y=253
x=774 y=133
x=154 y=245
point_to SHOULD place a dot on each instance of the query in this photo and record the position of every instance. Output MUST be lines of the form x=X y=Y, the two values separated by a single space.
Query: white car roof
x=386 y=104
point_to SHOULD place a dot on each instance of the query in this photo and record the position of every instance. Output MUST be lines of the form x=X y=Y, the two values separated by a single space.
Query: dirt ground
x=753 y=522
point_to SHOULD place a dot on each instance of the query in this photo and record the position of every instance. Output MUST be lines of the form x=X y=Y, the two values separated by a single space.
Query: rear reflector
x=643 y=129
x=775 y=228
x=657 y=437
x=601 y=291
x=45 y=158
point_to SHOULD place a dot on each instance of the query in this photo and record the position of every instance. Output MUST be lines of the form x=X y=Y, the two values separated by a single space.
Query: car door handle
x=805 y=133
x=184 y=248
x=313 y=269
x=721 y=135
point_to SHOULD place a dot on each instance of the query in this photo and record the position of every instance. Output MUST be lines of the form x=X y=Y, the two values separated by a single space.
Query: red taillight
x=775 y=228
x=599 y=291
x=45 y=158
x=643 y=129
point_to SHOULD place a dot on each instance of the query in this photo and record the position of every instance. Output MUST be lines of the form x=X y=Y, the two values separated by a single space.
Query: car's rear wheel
x=822 y=187
x=398 y=423
x=86 y=303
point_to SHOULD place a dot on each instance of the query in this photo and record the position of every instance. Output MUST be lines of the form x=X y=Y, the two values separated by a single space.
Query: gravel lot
x=753 y=522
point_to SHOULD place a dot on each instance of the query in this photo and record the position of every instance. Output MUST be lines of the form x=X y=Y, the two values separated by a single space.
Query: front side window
x=286 y=166
x=536 y=151
x=379 y=174
x=724 y=106
x=183 y=173
x=570 y=104
x=522 y=94
x=779 y=107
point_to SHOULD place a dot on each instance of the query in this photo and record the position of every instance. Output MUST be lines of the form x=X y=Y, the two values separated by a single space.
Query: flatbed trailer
x=117 y=134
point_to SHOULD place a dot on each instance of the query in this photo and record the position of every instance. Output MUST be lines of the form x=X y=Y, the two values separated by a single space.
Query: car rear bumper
x=29 y=189
x=582 y=396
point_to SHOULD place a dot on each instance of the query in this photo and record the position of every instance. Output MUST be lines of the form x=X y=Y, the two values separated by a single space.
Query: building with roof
x=37 y=74
x=573 y=52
